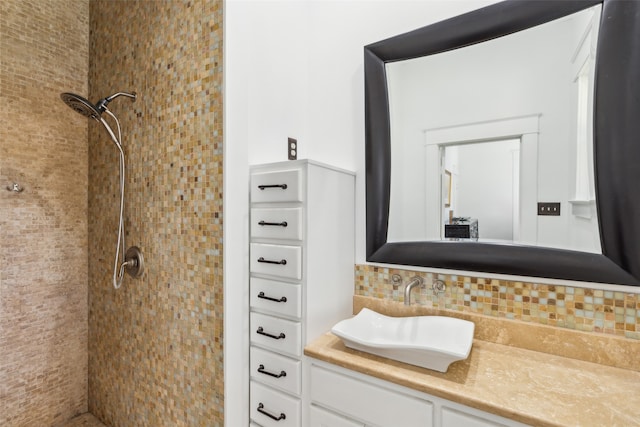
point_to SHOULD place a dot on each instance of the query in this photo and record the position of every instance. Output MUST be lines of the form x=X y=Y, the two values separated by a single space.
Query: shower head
x=86 y=108
x=80 y=105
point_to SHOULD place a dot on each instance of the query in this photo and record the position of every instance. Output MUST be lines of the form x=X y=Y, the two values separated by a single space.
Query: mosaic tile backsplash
x=44 y=49
x=583 y=309
x=156 y=344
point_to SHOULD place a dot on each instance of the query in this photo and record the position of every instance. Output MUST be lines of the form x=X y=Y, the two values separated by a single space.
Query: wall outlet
x=549 y=208
x=292 y=148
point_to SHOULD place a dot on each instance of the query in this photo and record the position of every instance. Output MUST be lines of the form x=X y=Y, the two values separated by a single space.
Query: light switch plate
x=549 y=208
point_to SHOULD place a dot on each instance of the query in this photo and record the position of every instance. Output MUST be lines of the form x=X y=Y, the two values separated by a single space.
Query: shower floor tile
x=84 y=420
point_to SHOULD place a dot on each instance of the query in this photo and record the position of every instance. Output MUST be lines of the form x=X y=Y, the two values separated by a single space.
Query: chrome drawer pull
x=280 y=224
x=266 y=334
x=283 y=186
x=273 y=417
x=267 y=261
x=271 y=374
x=263 y=296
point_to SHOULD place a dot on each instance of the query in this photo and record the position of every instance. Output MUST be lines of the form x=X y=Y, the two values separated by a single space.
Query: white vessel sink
x=432 y=342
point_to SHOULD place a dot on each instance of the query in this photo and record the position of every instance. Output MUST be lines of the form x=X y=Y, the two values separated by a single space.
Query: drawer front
x=368 y=402
x=280 y=335
x=453 y=418
x=323 y=418
x=276 y=260
x=279 y=186
x=276 y=370
x=271 y=408
x=276 y=223
x=277 y=297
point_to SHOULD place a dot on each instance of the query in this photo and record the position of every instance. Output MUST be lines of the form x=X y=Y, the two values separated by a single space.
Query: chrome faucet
x=415 y=281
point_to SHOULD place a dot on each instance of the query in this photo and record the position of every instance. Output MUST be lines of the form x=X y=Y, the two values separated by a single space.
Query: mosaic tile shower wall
x=44 y=49
x=583 y=309
x=155 y=345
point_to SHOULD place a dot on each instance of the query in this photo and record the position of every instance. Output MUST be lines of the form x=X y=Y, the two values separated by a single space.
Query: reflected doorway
x=481 y=189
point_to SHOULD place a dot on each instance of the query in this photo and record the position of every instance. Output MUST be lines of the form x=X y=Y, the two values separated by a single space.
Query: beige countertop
x=529 y=386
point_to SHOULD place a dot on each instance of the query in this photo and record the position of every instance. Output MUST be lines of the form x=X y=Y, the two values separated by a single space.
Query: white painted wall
x=295 y=69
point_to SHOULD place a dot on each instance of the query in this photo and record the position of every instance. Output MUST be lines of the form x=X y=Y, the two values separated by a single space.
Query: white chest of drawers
x=301 y=281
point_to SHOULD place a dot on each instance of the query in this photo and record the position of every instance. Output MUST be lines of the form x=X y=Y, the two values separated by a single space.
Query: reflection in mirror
x=474 y=194
x=492 y=130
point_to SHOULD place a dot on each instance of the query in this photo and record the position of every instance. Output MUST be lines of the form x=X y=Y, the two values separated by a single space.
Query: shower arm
x=132 y=95
x=101 y=105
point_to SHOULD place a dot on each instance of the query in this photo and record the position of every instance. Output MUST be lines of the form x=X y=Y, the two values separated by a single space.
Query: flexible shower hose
x=119 y=266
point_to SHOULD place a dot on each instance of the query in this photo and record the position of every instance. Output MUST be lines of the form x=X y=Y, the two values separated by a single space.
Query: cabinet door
x=373 y=404
x=452 y=418
x=322 y=418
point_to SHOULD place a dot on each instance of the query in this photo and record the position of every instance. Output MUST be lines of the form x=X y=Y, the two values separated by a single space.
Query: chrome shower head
x=80 y=105
x=86 y=108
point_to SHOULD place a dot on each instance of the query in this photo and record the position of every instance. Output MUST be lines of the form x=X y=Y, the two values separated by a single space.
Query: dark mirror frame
x=616 y=145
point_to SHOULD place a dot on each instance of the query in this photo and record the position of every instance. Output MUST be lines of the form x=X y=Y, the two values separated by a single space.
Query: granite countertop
x=528 y=386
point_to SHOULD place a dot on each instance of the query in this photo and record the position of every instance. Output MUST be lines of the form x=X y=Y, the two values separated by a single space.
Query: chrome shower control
x=134 y=262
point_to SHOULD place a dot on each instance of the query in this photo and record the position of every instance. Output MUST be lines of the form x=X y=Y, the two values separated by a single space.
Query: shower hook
x=16 y=188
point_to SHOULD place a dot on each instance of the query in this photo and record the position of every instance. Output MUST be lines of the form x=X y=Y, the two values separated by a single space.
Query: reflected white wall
x=484 y=193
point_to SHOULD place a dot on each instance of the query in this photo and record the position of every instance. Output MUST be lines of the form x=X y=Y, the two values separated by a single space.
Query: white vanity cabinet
x=341 y=397
x=301 y=279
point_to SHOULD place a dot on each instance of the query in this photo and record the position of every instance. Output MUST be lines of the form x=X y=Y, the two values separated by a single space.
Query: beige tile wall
x=43 y=230
x=155 y=345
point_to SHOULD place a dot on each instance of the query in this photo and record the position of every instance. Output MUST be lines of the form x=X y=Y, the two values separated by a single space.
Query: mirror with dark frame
x=616 y=147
